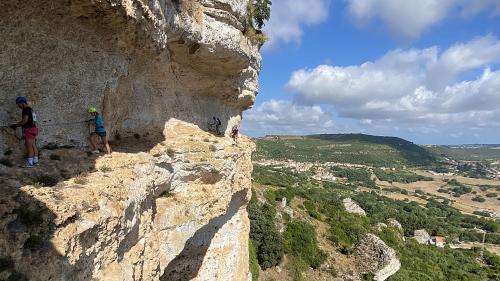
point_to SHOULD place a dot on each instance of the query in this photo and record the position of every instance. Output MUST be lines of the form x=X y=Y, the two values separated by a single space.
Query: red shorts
x=30 y=133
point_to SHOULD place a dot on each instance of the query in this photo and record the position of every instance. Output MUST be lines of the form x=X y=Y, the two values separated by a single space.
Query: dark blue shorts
x=101 y=134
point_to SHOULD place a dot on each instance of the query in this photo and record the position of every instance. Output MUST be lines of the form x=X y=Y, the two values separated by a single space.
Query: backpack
x=219 y=122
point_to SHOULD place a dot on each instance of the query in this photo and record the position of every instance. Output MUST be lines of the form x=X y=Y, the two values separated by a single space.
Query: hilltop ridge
x=345 y=148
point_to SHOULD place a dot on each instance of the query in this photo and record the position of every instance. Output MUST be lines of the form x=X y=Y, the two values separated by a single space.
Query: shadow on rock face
x=187 y=264
x=26 y=251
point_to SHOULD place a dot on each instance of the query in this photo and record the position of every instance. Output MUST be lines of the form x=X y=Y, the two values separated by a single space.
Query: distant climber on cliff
x=215 y=125
x=234 y=133
x=30 y=131
x=99 y=131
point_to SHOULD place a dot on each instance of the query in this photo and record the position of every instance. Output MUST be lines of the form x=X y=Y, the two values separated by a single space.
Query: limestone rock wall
x=171 y=202
x=141 y=62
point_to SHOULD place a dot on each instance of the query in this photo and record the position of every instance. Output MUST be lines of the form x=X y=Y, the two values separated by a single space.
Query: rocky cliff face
x=141 y=62
x=170 y=203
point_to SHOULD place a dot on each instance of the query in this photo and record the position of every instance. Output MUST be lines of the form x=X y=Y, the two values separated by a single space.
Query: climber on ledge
x=235 y=132
x=99 y=131
x=30 y=131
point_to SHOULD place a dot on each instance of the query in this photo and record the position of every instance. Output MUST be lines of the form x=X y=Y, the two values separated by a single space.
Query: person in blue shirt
x=99 y=131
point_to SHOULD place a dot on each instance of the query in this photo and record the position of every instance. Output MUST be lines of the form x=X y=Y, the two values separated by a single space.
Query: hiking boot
x=107 y=156
x=95 y=151
x=28 y=165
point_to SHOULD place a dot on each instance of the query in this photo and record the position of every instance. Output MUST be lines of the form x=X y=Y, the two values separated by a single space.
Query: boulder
x=352 y=207
x=422 y=236
x=394 y=223
x=373 y=256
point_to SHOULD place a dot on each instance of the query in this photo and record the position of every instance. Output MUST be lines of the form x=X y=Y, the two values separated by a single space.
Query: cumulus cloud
x=409 y=19
x=417 y=85
x=288 y=17
x=286 y=117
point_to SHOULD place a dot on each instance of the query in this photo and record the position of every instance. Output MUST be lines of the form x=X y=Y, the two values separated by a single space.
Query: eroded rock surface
x=374 y=256
x=176 y=212
x=170 y=203
x=141 y=63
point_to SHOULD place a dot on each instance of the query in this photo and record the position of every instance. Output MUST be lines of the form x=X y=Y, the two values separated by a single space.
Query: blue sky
x=427 y=71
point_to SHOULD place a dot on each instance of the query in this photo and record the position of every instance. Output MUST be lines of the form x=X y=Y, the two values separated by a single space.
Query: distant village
x=460 y=166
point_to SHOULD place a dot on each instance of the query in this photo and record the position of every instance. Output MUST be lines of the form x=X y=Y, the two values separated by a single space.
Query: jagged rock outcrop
x=170 y=203
x=422 y=236
x=375 y=257
x=353 y=207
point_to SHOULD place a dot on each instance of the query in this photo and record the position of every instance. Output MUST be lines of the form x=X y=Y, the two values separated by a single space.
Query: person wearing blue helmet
x=30 y=131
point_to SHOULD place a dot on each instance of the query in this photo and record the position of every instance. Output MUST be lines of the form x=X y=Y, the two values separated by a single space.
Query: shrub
x=266 y=238
x=105 y=169
x=166 y=194
x=288 y=193
x=261 y=12
x=55 y=157
x=212 y=148
x=311 y=209
x=270 y=196
x=479 y=199
x=480 y=213
x=296 y=266
x=34 y=242
x=254 y=264
x=81 y=178
x=6 y=162
x=29 y=216
x=300 y=241
x=170 y=152
x=490 y=195
x=45 y=180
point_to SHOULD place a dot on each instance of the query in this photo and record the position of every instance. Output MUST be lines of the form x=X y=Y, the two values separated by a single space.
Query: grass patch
x=105 y=169
x=212 y=148
x=45 y=180
x=81 y=179
x=170 y=152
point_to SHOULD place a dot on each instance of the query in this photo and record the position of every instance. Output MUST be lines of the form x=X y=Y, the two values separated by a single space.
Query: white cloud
x=288 y=17
x=417 y=86
x=409 y=19
x=286 y=117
